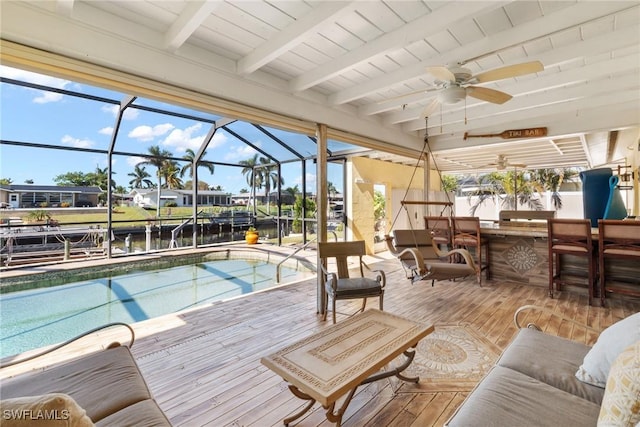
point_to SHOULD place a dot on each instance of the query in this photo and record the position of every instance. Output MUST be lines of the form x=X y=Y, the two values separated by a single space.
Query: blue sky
x=35 y=116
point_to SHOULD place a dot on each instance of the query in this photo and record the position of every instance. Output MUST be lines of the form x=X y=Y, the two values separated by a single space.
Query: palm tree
x=270 y=177
x=509 y=188
x=331 y=189
x=157 y=158
x=100 y=178
x=292 y=191
x=251 y=174
x=120 y=190
x=520 y=190
x=190 y=155
x=551 y=180
x=171 y=174
x=140 y=178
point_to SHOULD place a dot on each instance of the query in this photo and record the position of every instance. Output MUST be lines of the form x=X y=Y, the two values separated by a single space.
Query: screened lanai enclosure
x=303 y=114
x=154 y=149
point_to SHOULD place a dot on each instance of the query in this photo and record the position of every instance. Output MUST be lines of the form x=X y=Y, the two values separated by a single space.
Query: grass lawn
x=121 y=216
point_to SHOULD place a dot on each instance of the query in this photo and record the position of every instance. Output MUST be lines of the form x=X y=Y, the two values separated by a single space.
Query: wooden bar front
x=520 y=253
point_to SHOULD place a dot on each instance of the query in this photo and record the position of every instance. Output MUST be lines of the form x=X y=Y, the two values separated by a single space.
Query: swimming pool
x=43 y=316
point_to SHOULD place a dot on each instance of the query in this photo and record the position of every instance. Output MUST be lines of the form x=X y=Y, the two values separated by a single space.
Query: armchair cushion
x=357 y=287
x=611 y=342
x=103 y=382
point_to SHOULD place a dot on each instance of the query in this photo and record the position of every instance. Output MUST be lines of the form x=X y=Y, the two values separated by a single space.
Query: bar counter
x=519 y=253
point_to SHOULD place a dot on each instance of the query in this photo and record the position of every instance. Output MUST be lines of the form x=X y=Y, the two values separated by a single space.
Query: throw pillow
x=621 y=401
x=52 y=410
x=611 y=342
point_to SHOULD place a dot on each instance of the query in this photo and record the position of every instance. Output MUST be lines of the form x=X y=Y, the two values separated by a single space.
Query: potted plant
x=251 y=236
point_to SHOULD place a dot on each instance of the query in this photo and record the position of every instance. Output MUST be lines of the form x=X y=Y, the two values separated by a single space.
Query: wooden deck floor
x=203 y=366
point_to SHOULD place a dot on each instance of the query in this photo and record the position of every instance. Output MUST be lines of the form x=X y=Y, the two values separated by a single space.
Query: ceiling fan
x=502 y=163
x=455 y=83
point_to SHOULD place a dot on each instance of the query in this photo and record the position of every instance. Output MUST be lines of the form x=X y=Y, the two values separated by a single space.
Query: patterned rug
x=452 y=358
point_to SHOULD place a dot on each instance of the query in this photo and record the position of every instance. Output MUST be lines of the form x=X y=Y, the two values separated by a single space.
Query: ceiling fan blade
x=517 y=165
x=489 y=95
x=442 y=74
x=430 y=108
x=509 y=71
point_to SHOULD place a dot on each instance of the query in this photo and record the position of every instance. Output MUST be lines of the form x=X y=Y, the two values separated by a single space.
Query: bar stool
x=440 y=229
x=466 y=234
x=619 y=240
x=570 y=237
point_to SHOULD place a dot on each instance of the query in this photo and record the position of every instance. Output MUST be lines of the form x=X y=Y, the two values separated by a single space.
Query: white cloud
x=148 y=133
x=106 y=131
x=46 y=97
x=219 y=139
x=311 y=181
x=241 y=152
x=181 y=139
x=42 y=97
x=76 y=142
x=134 y=160
x=29 y=77
x=129 y=113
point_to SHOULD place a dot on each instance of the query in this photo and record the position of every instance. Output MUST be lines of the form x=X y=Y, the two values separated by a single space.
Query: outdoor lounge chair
x=340 y=285
x=423 y=260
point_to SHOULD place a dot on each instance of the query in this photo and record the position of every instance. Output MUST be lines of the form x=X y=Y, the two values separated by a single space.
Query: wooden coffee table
x=337 y=360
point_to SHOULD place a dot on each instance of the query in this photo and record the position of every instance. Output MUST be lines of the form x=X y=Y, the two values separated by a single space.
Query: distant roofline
x=51 y=188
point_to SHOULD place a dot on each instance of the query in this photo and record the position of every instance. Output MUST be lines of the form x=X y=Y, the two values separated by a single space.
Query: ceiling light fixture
x=452 y=95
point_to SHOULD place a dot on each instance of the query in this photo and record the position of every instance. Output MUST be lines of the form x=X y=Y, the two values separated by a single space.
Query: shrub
x=171 y=204
x=38 y=215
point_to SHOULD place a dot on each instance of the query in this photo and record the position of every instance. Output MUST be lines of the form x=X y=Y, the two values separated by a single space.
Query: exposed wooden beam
x=64 y=7
x=194 y=14
x=564 y=19
x=411 y=32
x=567 y=100
x=562 y=80
x=612 y=141
x=294 y=34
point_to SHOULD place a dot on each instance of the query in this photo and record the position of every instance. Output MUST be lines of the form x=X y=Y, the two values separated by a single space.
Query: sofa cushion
x=611 y=342
x=507 y=398
x=550 y=359
x=54 y=410
x=102 y=383
x=621 y=403
x=141 y=414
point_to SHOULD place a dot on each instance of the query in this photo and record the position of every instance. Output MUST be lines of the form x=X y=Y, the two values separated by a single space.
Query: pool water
x=44 y=316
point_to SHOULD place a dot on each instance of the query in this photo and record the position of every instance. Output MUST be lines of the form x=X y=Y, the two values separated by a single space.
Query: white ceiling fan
x=502 y=163
x=455 y=83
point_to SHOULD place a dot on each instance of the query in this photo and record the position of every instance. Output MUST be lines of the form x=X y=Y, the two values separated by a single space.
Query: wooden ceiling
x=360 y=66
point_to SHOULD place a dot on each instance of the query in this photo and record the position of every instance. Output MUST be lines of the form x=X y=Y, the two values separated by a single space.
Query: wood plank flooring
x=203 y=366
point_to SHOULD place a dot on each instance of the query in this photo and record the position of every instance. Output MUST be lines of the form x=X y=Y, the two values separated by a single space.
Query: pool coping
x=22 y=277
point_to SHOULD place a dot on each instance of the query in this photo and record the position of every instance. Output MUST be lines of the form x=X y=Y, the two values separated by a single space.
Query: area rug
x=452 y=358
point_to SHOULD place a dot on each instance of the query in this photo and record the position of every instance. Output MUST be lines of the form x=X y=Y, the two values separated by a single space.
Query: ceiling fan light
x=452 y=95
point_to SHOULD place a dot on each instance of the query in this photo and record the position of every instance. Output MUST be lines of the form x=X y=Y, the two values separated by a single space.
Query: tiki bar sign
x=512 y=134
